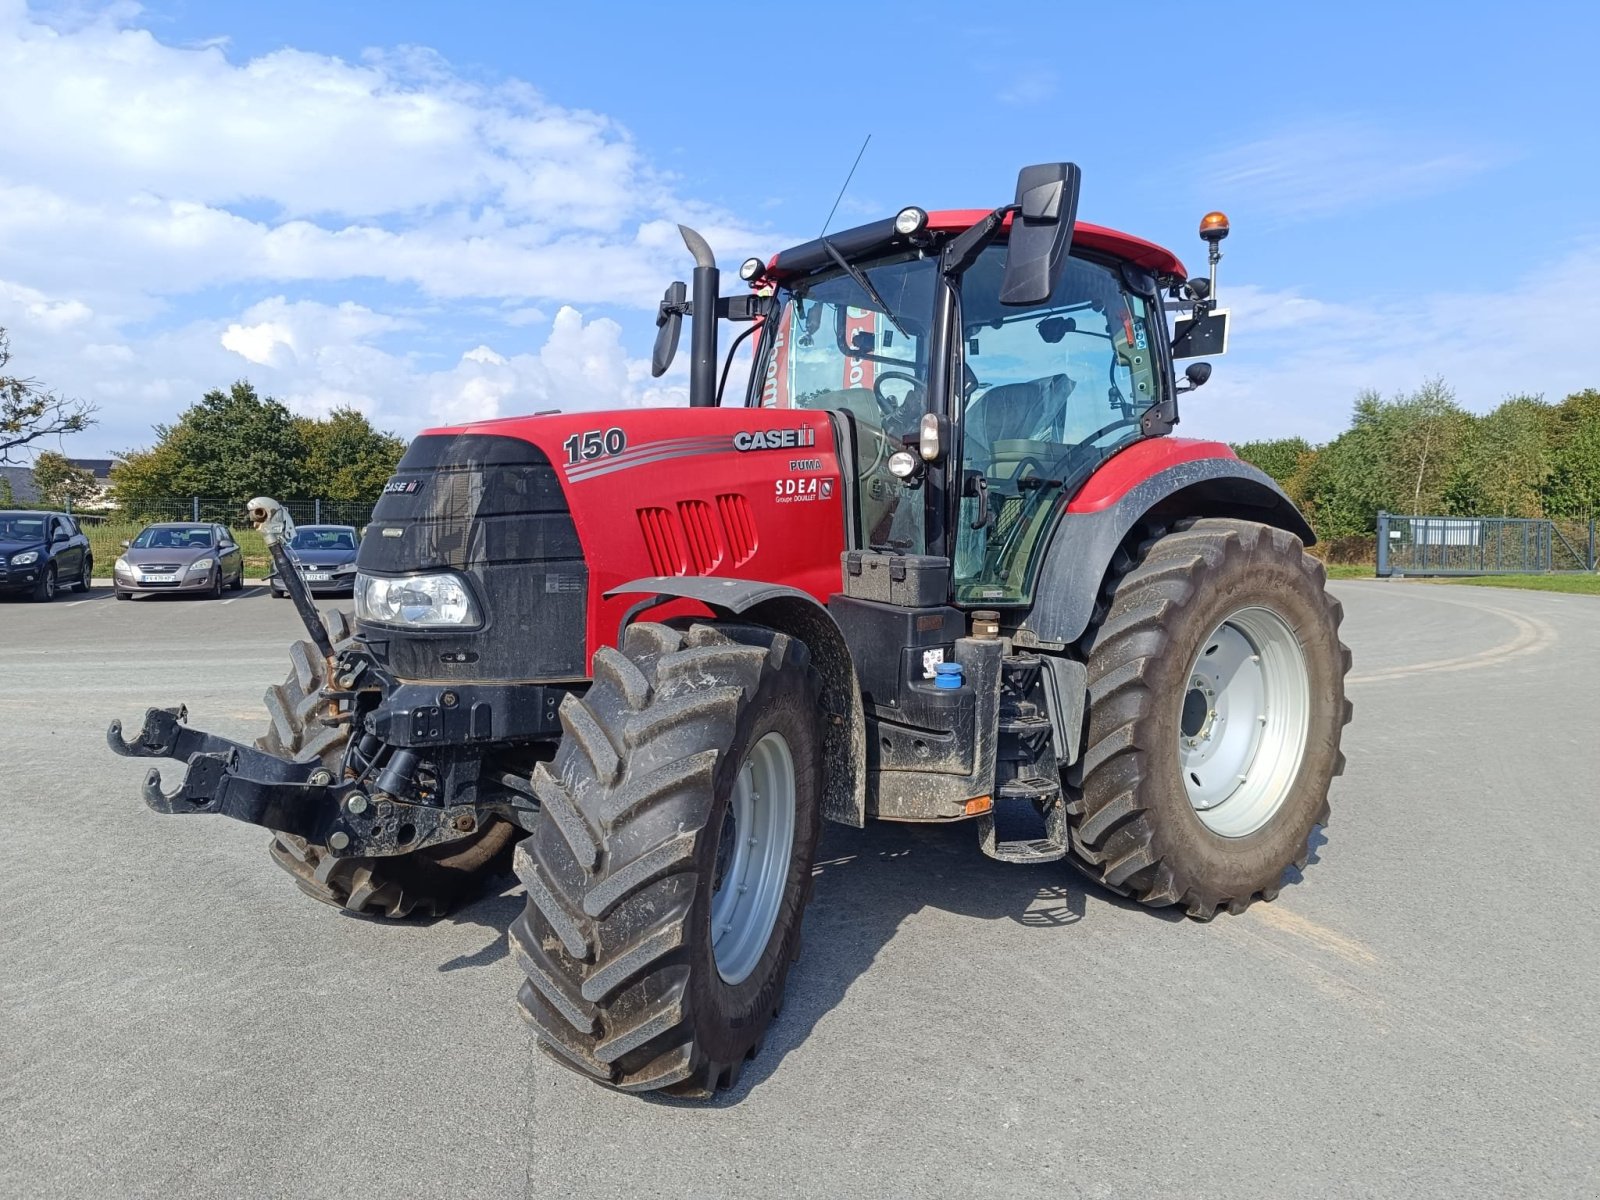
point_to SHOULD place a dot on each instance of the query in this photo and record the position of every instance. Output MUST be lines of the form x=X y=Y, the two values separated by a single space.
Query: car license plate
x=158 y=579
x=318 y=576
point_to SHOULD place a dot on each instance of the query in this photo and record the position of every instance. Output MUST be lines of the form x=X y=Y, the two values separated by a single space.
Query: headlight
x=121 y=567
x=23 y=559
x=200 y=564
x=420 y=601
x=344 y=568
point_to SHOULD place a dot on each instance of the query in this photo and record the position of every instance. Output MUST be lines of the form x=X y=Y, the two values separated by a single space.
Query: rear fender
x=1083 y=544
x=791 y=611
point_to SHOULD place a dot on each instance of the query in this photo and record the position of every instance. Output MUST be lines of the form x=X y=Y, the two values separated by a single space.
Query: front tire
x=1223 y=621
x=425 y=883
x=44 y=588
x=671 y=866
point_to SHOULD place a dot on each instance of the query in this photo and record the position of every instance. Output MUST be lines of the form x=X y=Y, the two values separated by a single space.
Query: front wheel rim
x=754 y=847
x=1243 y=722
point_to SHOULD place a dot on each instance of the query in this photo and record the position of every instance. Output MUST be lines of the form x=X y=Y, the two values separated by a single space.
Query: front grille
x=492 y=509
x=159 y=568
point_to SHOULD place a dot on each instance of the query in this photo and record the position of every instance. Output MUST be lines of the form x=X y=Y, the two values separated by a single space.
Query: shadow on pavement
x=867 y=883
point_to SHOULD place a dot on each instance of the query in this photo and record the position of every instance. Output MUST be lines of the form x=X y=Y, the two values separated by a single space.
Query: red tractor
x=941 y=561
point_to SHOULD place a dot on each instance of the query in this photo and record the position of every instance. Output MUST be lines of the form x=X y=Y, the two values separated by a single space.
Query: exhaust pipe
x=703 y=337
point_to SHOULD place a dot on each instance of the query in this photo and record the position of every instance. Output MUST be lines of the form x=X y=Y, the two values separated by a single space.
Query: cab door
x=1051 y=392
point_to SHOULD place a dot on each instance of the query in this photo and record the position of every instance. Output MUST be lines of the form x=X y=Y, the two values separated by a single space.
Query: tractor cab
x=985 y=365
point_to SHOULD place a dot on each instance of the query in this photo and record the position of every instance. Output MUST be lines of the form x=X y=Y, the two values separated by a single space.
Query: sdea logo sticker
x=798 y=491
x=774 y=439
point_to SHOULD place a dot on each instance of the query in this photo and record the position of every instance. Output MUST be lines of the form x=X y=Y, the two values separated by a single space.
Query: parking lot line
x=96 y=594
x=245 y=595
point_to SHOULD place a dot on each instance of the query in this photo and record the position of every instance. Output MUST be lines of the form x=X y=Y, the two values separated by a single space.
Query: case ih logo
x=402 y=487
x=774 y=439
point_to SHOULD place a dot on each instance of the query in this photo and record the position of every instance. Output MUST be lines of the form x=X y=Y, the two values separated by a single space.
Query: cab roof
x=881 y=236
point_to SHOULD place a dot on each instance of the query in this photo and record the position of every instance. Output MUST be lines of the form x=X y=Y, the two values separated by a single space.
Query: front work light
x=438 y=600
x=751 y=269
x=910 y=220
x=904 y=465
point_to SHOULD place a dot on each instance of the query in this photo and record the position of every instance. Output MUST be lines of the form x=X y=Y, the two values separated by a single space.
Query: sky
x=433 y=213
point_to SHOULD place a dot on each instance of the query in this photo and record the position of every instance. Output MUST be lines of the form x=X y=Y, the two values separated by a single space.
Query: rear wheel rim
x=754 y=847
x=50 y=583
x=1243 y=722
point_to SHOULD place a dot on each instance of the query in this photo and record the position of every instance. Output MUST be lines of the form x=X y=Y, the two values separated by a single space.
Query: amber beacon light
x=1214 y=226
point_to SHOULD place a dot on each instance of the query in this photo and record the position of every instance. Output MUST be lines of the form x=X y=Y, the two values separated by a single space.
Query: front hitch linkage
x=302 y=799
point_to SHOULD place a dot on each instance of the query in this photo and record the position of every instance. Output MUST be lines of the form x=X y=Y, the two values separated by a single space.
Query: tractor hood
x=544 y=515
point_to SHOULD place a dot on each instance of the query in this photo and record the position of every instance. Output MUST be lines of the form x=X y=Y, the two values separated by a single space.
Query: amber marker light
x=979 y=806
x=1214 y=226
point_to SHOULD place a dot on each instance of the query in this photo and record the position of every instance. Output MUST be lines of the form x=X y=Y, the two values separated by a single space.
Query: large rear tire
x=1216 y=701
x=670 y=868
x=426 y=883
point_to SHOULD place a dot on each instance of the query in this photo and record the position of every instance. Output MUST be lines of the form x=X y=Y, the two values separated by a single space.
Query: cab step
x=1025 y=802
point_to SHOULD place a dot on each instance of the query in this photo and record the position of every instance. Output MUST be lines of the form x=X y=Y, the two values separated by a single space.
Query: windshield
x=324 y=539
x=174 y=537
x=1051 y=392
x=837 y=348
x=15 y=527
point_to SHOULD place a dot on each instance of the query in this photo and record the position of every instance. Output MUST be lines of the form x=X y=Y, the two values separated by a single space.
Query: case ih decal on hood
x=775 y=439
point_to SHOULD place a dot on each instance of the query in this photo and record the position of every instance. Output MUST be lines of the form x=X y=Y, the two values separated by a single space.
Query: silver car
x=179 y=557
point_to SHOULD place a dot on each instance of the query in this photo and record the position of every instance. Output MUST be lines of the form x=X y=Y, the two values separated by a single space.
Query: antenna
x=845 y=184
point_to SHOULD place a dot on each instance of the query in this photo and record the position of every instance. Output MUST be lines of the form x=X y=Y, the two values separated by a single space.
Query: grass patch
x=1349 y=571
x=1581 y=585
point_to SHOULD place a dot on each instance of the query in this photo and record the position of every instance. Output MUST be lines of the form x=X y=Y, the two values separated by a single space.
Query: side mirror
x=669 y=327
x=1196 y=374
x=126 y=543
x=1041 y=232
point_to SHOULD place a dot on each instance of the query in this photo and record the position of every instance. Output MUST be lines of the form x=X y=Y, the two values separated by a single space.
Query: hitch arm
x=295 y=585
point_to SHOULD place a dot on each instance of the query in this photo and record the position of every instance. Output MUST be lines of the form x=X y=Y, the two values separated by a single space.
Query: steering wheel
x=1022 y=464
x=891 y=407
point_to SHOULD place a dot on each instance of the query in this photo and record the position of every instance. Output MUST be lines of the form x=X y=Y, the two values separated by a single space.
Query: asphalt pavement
x=1417 y=1015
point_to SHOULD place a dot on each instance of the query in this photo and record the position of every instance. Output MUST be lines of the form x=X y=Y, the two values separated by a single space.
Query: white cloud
x=1338 y=164
x=171 y=219
x=1295 y=365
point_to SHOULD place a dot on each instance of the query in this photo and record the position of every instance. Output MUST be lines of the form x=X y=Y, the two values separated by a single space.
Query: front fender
x=1086 y=538
x=791 y=611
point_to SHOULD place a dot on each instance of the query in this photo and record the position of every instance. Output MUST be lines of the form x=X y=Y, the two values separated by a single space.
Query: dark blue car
x=326 y=555
x=42 y=553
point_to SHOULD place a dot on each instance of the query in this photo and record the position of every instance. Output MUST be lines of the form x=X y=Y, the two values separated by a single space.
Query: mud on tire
x=1133 y=826
x=427 y=883
x=623 y=980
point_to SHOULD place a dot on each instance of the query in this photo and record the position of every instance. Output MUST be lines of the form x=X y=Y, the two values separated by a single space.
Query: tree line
x=1422 y=453
x=234 y=444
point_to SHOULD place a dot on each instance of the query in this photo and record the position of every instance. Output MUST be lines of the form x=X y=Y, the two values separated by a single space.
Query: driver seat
x=1013 y=421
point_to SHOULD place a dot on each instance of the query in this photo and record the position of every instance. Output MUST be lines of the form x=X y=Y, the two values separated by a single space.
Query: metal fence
x=222 y=512
x=1417 y=545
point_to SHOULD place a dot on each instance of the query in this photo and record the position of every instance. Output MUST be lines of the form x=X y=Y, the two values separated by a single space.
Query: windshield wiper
x=861 y=279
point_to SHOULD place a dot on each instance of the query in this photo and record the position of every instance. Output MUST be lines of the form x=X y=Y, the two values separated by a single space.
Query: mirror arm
x=963 y=250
